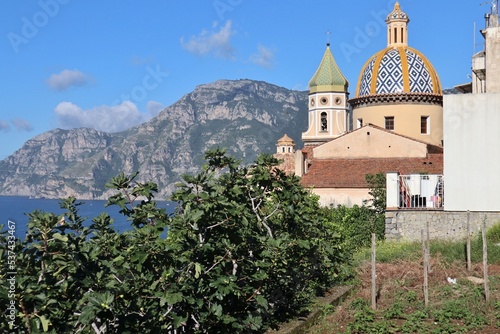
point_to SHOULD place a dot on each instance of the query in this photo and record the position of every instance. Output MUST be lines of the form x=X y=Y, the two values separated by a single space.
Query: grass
x=453 y=308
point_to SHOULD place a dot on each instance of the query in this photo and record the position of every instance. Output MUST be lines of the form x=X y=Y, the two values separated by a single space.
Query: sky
x=114 y=64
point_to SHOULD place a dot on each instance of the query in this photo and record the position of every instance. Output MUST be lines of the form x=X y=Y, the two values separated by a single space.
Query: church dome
x=398 y=69
x=285 y=140
x=328 y=77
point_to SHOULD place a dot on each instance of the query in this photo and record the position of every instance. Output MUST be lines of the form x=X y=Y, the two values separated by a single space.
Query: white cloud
x=22 y=125
x=18 y=123
x=4 y=126
x=217 y=43
x=104 y=118
x=67 y=79
x=154 y=107
x=264 y=57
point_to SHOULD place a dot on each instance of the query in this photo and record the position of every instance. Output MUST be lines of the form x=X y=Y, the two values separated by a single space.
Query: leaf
x=119 y=259
x=261 y=301
x=173 y=298
x=197 y=268
x=60 y=237
x=88 y=314
x=217 y=309
x=196 y=215
x=45 y=323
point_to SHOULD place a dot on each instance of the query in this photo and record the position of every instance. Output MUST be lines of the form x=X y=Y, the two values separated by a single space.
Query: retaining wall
x=406 y=225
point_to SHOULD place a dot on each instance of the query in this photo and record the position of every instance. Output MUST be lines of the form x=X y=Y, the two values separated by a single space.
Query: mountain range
x=244 y=116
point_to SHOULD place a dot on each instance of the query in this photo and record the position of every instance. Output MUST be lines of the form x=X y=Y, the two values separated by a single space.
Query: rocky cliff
x=244 y=116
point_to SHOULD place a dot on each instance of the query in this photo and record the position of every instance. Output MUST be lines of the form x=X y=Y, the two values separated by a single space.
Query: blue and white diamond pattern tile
x=390 y=74
x=366 y=79
x=420 y=78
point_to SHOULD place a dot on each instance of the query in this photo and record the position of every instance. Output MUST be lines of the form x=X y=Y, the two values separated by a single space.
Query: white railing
x=422 y=191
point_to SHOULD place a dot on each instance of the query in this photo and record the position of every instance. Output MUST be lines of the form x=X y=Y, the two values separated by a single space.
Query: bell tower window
x=324 y=122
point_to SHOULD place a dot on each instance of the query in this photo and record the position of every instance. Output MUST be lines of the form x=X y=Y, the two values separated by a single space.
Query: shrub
x=356 y=225
x=493 y=233
x=247 y=248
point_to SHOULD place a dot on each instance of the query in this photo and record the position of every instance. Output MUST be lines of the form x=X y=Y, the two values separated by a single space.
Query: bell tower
x=328 y=107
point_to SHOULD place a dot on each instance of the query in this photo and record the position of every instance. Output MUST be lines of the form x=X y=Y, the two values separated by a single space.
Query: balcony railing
x=415 y=191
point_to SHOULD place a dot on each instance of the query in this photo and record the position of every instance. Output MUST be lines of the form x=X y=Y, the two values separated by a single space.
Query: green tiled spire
x=328 y=77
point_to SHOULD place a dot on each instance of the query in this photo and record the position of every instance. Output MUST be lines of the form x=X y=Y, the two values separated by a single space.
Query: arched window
x=324 y=122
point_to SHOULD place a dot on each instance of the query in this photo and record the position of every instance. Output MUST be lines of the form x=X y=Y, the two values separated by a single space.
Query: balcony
x=415 y=191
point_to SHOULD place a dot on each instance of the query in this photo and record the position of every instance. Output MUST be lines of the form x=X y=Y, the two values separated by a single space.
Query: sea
x=14 y=212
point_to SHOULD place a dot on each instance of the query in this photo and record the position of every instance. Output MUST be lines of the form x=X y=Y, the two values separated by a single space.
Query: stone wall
x=445 y=225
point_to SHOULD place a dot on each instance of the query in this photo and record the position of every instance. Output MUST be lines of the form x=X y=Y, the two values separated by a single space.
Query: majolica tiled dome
x=398 y=68
x=328 y=77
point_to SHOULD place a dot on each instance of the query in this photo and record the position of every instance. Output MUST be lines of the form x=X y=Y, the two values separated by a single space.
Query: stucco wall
x=472 y=152
x=341 y=196
x=443 y=225
x=406 y=119
x=371 y=142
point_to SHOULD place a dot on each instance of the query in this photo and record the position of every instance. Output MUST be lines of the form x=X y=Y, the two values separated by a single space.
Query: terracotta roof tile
x=350 y=173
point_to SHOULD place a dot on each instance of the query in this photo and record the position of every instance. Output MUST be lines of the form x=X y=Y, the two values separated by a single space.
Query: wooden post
x=426 y=267
x=429 y=269
x=485 y=264
x=469 y=261
x=374 y=272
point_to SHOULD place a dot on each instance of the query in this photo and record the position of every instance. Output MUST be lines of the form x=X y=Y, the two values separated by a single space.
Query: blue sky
x=114 y=64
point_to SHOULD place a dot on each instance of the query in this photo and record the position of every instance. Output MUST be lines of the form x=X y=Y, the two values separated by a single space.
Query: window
x=360 y=123
x=324 y=122
x=424 y=125
x=389 y=122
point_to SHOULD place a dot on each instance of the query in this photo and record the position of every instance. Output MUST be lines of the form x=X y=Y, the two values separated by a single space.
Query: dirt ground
x=395 y=279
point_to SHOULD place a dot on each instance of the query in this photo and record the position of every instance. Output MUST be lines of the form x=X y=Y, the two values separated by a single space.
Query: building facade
x=397 y=115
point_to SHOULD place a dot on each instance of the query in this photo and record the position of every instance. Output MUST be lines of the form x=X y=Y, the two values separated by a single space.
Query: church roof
x=398 y=69
x=350 y=173
x=328 y=77
x=285 y=140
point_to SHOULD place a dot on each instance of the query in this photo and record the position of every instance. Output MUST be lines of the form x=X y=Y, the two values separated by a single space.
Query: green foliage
x=391 y=251
x=377 y=184
x=258 y=240
x=247 y=248
x=356 y=224
x=493 y=233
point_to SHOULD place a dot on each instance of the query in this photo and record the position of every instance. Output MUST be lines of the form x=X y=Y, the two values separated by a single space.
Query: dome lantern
x=397 y=27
